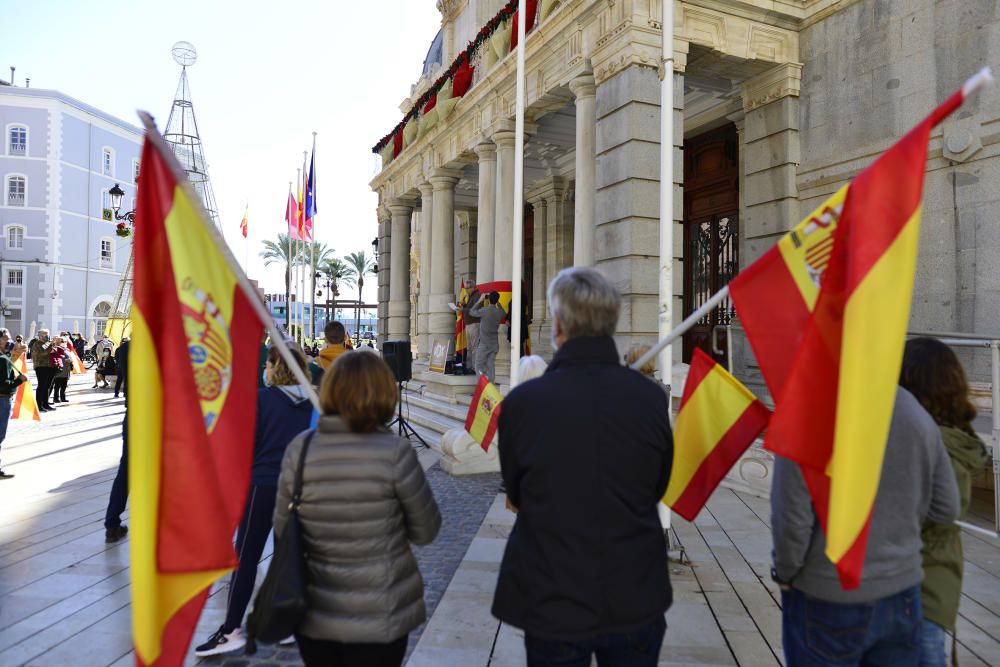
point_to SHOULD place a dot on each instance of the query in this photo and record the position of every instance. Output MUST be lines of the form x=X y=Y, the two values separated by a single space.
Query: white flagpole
x=665 y=360
x=298 y=269
x=312 y=253
x=288 y=293
x=515 y=285
x=305 y=244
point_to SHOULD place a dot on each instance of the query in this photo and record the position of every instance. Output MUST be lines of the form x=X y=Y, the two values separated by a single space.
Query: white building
x=60 y=259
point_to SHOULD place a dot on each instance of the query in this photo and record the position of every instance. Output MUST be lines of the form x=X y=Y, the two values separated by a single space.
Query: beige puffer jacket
x=364 y=499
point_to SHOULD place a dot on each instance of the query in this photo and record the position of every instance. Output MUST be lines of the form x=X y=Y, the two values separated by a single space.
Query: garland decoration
x=458 y=77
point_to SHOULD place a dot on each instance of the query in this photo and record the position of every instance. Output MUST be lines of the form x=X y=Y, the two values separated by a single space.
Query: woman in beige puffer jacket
x=364 y=500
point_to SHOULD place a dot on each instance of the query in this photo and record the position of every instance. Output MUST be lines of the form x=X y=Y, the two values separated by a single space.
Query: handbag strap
x=297 y=487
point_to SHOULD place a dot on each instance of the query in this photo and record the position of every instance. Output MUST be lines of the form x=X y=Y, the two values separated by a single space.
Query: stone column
x=503 y=267
x=540 y=280
x=424 y=282
x=585 y=92
x=441 y=321
x=399 y=272
x=382 y=278
x=485 y=239
x=558 y=252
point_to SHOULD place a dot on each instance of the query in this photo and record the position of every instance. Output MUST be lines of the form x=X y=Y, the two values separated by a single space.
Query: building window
x=15 y=237
x=107 y=254
x=18 y=144
x=101 y=314
x=15 y=276
x=106 y=212
x=16 y=188
x=135 y=171
x=108 y=162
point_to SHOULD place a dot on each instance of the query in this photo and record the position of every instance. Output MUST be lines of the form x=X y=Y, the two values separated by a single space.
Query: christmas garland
x=427 y=101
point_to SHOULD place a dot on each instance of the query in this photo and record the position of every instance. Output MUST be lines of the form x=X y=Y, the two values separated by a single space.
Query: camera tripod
x=404 y=429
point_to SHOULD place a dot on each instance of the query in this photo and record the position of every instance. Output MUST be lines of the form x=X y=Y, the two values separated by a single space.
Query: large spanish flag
x=719 y=418
x=484 y=411
x=194 y=347
x=826 y=313
x=24 y=408
x=504 y=289
x=461 y=337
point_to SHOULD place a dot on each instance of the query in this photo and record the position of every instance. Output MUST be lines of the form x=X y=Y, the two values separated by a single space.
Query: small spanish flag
x=718 y=420
x=24 y=408
x=461 y=337
x=243 y=223
x=484 y=411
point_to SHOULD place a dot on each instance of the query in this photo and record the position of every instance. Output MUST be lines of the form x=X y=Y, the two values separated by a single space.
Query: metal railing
x=18 y=149
x=15 y=199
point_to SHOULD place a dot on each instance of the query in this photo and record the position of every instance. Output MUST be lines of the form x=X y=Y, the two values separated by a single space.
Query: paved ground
x=64 y=596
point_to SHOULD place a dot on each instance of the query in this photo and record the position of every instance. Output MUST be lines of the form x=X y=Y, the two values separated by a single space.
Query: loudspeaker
x=397 y=354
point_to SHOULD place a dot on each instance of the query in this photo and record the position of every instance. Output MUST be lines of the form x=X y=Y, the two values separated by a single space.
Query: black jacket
x=585 y=452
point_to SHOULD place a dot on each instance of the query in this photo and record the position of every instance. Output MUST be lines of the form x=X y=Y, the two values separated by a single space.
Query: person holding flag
x=9 y=382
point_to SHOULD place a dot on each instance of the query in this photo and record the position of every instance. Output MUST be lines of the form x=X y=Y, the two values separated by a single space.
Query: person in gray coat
x=364 y=500
x=490 y=316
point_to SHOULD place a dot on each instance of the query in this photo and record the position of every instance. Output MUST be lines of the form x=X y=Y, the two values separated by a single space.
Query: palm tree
x=282 y=254
x=337 y=273
x=314 y=254
x=358 y=265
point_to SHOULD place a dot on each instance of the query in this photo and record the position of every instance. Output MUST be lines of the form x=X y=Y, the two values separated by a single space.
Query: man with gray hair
x=585 y=453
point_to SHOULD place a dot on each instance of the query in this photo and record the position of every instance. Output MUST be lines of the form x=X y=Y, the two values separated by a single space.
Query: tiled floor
x=64 y=596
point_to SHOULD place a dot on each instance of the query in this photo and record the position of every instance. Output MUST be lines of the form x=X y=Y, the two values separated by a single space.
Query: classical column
x=424 y=281
x=539 y=278
x=382 y=278
x=487 y=153
x=441 y=322
x=399 y=272
x=585 y=91
x=503 y=251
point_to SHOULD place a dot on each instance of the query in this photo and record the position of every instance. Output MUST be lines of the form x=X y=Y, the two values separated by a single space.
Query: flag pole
x=307 y=243
x=253 y=297
x=298 y=268
x=311 y=199
x=288 y=285
x=665 y=361
x=515 y=286
x=683 y=327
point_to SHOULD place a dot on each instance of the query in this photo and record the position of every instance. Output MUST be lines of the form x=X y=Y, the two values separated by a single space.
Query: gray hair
x=531 y=367
x=4 y=332
x=585 y=303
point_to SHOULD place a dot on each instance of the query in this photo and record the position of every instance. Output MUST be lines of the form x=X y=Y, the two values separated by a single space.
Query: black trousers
x=120 y=387
x=44 y=375
x=119 y=488
x=258 y=515
x=327 y=653
x=59 y=389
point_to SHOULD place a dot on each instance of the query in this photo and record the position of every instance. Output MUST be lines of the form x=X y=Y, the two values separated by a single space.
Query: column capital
x=504 y=139
x=583 y=86
x=400 y=207
x=426 y=189
x=487 y=151
x=781 y=81
x=444 y=179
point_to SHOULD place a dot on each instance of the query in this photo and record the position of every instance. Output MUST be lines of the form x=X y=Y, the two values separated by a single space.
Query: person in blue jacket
x=283 y=411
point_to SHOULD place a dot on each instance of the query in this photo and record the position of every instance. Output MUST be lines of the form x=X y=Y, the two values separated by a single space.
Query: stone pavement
x=64 y=596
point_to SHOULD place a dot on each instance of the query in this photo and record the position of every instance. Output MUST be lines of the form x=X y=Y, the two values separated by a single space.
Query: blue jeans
x=640 y=648
x=932 y=640
x=4 y=416
x=885 y=632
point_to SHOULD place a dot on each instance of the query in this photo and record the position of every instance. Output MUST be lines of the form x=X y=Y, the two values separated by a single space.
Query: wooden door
x=711 y=233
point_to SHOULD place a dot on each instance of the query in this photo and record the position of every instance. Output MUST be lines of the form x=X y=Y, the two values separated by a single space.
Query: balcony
x=18 y=149
x=15 y=199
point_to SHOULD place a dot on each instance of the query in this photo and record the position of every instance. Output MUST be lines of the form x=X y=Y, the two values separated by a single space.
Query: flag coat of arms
x=484 y=411
x=191 y=437
x=719 y=418
x=24 y=407
x=826 y=313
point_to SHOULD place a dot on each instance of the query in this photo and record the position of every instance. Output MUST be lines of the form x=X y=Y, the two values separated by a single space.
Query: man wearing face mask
x=585 y=453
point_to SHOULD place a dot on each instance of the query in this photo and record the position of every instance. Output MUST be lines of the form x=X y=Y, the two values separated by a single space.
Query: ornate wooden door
x=711 y=232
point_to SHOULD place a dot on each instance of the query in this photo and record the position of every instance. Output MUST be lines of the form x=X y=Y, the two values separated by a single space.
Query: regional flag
x=191 y=437
x=840 y=287
x=484 y=411
x=24 y=407
x=292 y=216
x=718 y=420
x=300 y=208
x=311 y=192
x=243 y=223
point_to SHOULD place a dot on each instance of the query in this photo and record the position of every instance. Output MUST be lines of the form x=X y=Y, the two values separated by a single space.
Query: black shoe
x=116 y=395
x=222 y=642
x=5 y=475
x=112 y=535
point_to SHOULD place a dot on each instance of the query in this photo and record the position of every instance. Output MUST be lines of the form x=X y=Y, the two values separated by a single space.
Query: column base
x=461 y=455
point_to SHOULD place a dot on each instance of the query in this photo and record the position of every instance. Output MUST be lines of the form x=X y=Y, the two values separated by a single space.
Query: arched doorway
x=102 y=311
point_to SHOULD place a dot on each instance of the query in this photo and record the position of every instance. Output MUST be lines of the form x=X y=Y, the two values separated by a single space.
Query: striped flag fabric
x=840 y=285
x=191 y=437
x=292 y=216
x=311 y=210
x=243 y=222
x=24 y=407
x=78 y=368
x=484 y=412
x=300 y=213
x=461 y=336
x=504 y=288
x=718 y=420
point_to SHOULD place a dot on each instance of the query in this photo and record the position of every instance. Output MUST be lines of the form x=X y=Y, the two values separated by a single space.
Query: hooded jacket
x=942 y=552
x=329 y=354
x=282 y=413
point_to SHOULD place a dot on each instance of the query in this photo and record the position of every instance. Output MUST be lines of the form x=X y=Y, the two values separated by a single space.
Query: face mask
x=263 y=377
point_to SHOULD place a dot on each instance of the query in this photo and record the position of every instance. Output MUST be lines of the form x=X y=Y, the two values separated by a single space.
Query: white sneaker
x=287 y=641
x=220 y=643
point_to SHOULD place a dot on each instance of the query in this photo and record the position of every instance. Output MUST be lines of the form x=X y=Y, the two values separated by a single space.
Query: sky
x=268 y=75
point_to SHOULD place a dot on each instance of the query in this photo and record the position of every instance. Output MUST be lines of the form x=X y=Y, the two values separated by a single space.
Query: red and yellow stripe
x=24 y=407
x=484 y=412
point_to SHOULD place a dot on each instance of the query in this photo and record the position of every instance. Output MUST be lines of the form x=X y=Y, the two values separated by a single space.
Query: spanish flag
x=24 y=408
x=191 y=437
x=243 y=222
x=503 y=287
x=719 y=418
x=78 y=368
x=484 y=411
x=835 y=395
x=461 y=337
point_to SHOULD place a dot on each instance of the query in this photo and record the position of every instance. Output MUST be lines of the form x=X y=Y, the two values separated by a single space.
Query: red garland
x=461 y=66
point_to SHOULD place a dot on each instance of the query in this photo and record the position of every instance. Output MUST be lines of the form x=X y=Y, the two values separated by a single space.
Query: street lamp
x=117 y=194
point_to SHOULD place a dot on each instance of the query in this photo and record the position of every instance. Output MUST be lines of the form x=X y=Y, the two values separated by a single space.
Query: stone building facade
x=777 y=104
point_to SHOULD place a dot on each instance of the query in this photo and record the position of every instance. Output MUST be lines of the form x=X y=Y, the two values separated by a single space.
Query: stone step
x=453 y=411
x=429 y=419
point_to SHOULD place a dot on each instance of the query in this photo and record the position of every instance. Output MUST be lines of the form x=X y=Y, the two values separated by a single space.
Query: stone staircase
x=432 y=415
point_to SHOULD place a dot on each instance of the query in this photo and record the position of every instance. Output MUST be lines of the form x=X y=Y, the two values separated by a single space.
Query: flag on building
x=311 y=193
x=191 y=437
x=718 y=420
x=243 y=223
x=484 y=411
x=835 y=395
x=292 y=216
x=24 y=407
x=461 y=338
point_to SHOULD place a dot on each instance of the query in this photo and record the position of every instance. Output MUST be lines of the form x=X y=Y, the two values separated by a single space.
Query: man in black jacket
x=585 y=452
x=121 y=361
